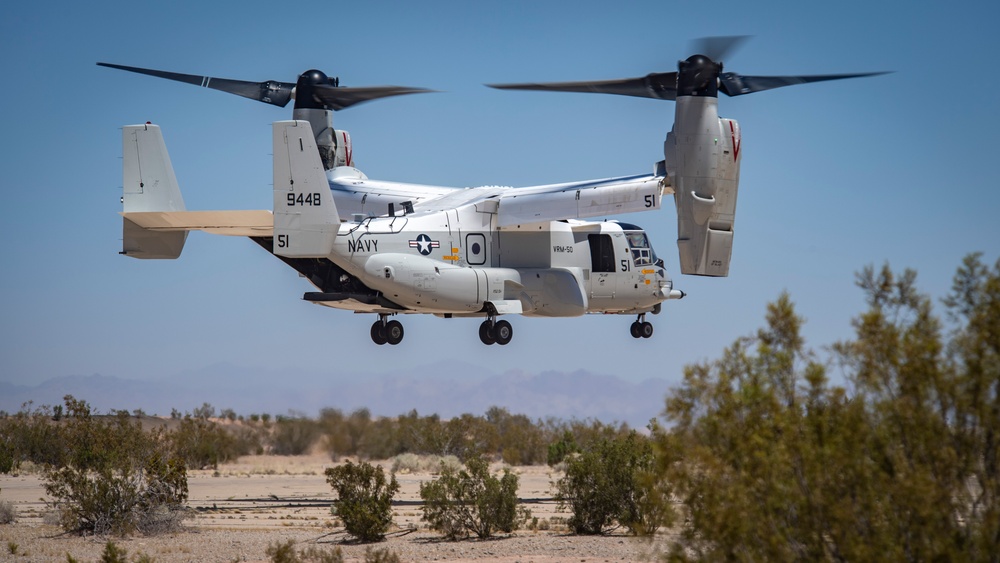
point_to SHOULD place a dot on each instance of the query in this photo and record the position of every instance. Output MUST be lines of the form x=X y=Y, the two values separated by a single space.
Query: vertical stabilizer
x=148 y=184
x=305 y=216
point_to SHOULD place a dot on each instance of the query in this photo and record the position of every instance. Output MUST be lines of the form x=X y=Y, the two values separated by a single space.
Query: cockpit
x=638 y=243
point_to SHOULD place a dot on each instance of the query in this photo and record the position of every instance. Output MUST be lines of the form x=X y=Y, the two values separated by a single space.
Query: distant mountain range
x=446 y=388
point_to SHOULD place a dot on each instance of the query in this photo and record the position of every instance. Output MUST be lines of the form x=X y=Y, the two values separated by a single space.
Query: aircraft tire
x=378 y=333
x=646 y=329
x=486 y=333
x=636 y=329
x=503 y=332
x=393 y=332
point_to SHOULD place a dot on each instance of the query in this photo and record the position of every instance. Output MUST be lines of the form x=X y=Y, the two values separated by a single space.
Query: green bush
x=607 y=484
x=565 y=446
x=294 y=436
x=364 y=499
x=117 y=479
x=113 y=554
x=30 y=436
x=203 y=443
x=773 y=463
x=471 y=500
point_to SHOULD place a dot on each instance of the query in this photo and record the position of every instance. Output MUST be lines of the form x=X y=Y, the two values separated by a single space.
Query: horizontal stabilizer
x=244 y=223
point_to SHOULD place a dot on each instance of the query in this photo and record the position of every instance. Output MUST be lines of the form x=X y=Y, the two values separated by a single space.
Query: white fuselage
x=455 y=259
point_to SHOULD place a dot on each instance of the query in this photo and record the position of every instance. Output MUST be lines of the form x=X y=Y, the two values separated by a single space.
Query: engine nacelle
x=334 y=145
x=702 y=155
x=343 y=154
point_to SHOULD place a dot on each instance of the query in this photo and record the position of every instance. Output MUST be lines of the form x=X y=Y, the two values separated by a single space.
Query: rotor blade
x=269 y=92
x=716 y=48
x=338 y=98
x=660 y=86
x=733 y=84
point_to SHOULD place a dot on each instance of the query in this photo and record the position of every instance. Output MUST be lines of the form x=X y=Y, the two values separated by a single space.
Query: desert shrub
x=772 y=462
x=203 y=443
x=413 y=463
x=471 y=500
x=286 y=553
x=113 y=554
x=519 y=441
x=117 y=479
x=293 y=436
x=8 y=512
x=606 y=484
x=342 y=435
x=205 y=411
x=564 y=446
x=407 y=463
x=364 y=499
x=30 y=436
x=6 y=458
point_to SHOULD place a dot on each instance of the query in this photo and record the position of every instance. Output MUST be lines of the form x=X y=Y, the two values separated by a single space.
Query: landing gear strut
x=493 y=331
x=390 y=332
x=640 y=328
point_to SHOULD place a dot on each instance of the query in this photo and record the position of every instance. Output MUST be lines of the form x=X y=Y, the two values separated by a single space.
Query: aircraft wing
x=248 y=223
x=355 y=193
x=577 y=200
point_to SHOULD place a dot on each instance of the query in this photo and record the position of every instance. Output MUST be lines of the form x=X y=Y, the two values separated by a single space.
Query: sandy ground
x=241 y=509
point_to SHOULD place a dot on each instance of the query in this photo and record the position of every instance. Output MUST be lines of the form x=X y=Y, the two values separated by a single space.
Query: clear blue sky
x=835 y=176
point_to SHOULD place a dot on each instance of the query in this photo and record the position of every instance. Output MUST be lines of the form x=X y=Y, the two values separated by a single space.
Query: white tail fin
x=305 y=215
x=148 y=184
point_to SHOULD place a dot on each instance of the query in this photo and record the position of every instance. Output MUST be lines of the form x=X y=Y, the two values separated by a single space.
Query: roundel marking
x=424 y=244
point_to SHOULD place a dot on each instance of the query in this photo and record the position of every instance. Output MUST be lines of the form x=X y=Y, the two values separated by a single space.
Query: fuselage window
x=602 y=253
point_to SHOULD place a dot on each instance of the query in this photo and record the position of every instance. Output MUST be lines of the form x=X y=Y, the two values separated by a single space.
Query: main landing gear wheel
x=503 y=332
x=640 y=328
x=378 y=333
x=394 y=332
x=387 y=332
x=636 y=329
x=495 y=332
x=486 y=333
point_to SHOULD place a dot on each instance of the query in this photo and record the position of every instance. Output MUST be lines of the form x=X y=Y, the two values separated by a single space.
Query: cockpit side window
x=641 y=252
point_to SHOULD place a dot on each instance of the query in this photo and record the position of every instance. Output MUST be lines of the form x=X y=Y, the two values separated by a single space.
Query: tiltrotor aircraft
x=389 y=248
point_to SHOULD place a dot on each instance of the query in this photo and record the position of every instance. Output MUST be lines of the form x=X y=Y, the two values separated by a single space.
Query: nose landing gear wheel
x=487 y=333
x=503 y=332
x=394 y=332
x=378 y=333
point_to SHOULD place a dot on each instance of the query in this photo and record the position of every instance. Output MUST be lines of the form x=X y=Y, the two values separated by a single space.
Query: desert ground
x=240 y=509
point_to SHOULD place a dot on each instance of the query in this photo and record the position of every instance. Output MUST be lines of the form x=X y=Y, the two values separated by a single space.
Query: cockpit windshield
x=642 y=252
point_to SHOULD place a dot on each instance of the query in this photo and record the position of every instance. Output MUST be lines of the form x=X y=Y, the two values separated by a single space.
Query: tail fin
x=305 y=215
x=148 y=184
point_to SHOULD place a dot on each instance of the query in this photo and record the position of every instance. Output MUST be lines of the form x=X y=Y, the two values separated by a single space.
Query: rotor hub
x=305 y=88
x=698 y=76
